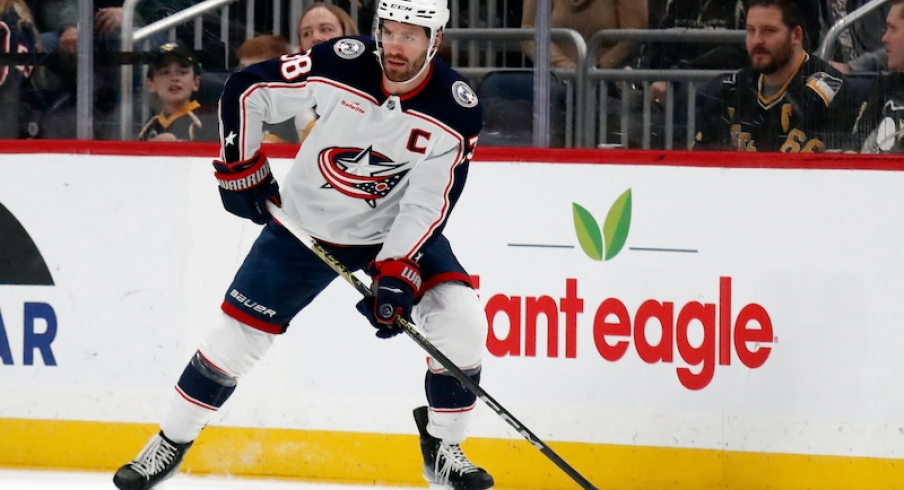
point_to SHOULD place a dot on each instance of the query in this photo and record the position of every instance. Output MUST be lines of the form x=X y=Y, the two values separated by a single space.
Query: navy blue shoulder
x=350 y=61
x=448 y=97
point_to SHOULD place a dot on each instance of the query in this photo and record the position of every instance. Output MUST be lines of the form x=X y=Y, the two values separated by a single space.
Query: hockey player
x=880 y=125
x=375 y=181
x=786 y=100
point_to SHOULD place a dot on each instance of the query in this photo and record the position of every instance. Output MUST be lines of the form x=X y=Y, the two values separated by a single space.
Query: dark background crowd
x=38 y=70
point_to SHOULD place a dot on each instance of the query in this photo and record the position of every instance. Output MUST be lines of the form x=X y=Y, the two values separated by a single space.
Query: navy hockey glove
x=396 y=282
x=246 y=186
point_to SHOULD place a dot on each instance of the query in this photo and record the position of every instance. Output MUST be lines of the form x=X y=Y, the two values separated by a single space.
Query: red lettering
x=763 y=335
x=534 y=307
x=618 y=326
x=724 y=321
x=662 y=312
x=571 y=305
x=510 y=343
x=703 y=355
x=704 y=334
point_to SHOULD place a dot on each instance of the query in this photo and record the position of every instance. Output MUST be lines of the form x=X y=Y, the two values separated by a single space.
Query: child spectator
x=173 y=76
x=262 y=48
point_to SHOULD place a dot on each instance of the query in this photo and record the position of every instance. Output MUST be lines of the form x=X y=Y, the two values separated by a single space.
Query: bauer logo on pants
x=20 y=260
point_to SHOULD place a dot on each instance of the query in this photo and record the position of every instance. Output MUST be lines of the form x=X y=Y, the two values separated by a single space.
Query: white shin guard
x=452 y=319
x=451 y=427
x=233 y=349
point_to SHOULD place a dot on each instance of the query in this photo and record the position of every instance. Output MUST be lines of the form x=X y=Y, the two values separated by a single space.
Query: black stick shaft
x=280 y=216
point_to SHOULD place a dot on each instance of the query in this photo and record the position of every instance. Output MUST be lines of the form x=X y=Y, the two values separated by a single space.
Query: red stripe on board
x=674 y=158
x=686 y=158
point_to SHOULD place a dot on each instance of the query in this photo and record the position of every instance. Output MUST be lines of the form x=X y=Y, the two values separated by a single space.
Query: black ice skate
x=445 y=465
x=159 y=460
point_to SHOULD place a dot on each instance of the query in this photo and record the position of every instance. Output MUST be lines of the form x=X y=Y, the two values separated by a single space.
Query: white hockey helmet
x=429 y=14
x=432 y=14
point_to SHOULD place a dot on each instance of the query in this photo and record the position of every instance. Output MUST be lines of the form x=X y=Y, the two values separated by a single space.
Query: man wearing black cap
x=173 y=75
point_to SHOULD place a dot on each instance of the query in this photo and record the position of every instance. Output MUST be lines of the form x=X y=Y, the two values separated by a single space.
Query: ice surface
x=64 y=480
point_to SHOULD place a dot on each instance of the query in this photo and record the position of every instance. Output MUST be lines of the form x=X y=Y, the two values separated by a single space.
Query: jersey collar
x=165 y=121
x=414 y=91
x=781 y=91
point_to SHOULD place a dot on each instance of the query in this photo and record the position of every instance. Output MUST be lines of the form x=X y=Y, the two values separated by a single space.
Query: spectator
x=59 y=22
x=18 y=35
x=861 y=48
x=880 y=124
x=322 y=22
x=318 y=23
x=587 y=17
x=786 y=100
x=262 y=48
x=173 y=76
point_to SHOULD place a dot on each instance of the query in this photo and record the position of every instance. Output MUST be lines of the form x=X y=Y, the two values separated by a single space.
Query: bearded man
x=786 y=100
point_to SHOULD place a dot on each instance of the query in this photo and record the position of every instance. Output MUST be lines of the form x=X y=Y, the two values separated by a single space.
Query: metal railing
x=585 y=121
x=588 y=85
x=596 y=80
x=130 y=36
x=478 y=13
x=584 y=126
x=582 y=111
x=478 y=37
x=827 y=48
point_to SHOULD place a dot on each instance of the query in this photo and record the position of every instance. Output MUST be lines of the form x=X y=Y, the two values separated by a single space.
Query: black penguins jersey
x=183 y=124
x=376 y=168
x=811 y=112
x=879 y=127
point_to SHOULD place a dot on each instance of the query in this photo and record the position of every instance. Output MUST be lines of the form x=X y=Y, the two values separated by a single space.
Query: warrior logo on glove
x=246 y=186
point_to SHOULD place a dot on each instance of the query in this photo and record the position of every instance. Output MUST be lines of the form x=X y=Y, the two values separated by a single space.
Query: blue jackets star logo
x=360 y=173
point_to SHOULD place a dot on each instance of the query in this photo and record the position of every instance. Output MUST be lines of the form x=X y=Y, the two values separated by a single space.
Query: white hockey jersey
x=375 y=168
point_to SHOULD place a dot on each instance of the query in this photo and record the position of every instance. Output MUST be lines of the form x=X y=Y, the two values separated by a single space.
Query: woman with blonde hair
x=318 y=23
x=322 y=22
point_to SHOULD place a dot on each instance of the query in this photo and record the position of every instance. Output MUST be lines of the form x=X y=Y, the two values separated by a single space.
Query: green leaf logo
x=588 y=232
x=614 y=230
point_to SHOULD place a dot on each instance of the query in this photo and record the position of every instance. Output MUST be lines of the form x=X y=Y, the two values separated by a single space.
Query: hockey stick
x=280 y=217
